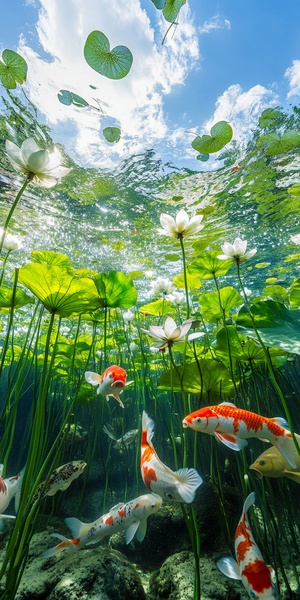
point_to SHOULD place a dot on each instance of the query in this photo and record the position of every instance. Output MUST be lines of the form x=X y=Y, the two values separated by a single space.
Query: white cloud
x=136 y=102
x=241 y=109
x=293 y=75
x=216 y=22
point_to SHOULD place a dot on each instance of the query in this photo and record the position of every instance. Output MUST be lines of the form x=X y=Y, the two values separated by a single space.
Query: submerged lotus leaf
x=53 y=259
x=115 y=289
x=294 y=190
x=112 y=134
x=277 y=325
x=274 y=144
x=114 y=64
x=60 y=292
x=215 y=307
x=159 y=4
x=276 y=292
x=158 y=308
x=171 y=9
x=202 y=157
x=220 y=134
x=13 y=69
x=9 y=299
x=267 y=117
x=208 y=265
x=241 y=348
x=207 y=376
x=68 y=98
x=193 y=281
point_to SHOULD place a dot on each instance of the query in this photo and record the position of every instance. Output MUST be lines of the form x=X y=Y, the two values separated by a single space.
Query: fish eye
x=262 y=462
x=110 y=376
x=169 y=495
x=198 y=420
x=253 y=594
x=153 y=505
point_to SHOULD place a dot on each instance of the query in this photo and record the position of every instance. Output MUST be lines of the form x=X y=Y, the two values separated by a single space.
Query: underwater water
x=144 y=305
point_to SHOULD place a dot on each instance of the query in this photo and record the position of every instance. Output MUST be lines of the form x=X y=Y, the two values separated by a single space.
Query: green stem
x=12 y=210
x=185 y=278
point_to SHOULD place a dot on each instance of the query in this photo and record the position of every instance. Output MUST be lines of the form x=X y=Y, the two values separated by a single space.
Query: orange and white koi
x=232 y=426
x=110 y=383
x=249 y=566
x=178 y=486
x=10 y=488
x=131 y=517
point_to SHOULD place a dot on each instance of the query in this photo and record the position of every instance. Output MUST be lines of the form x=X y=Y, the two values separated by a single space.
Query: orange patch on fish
x=149 y=475
x=245 y=544
x=109 y=521
x=258 y=575
x=3 y=488
x=147 y=454
x=122 y=513
x=144 y=440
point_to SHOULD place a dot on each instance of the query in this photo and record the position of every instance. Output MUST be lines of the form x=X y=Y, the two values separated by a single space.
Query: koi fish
x=60 y=479
x=178 y=486
x=131 y=517
x=232 y=425
x=10 y=488
x=249 y=566
x=110 y=383
x=125 y=440
x=272 y=464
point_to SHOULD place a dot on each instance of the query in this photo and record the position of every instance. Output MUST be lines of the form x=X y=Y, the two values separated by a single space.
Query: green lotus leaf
x=172 y=257
x=267 y=117
x=207 y=265
x=8 y=300
x=277 y=325
x=60 y=292
x=215 y=308
x=118 y=246
x=13 y=69
x=207 y=376
x=202 y=157
x=68 y=98
x=114 y=64
x=289 y=140
x=220 y=134
x=115 y=289
x=241 y=348
x=193 y=281
x=159 y=4
x=112 y=134
x=276 y=292
x=171 y=9
x=158 y=308
x=53 y=259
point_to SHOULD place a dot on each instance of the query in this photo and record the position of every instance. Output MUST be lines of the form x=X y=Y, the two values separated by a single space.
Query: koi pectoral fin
x=117 y=397
x=230 y=440
x=131 y=531
x=229 y=567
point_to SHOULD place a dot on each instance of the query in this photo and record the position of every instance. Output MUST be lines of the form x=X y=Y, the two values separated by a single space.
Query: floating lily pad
x=158 y=308
x=207 y=376
x=267 y=117
x=171 y=9
x=202 y=157
x=193 y=281
x=112 y=134
x=114 y=64
x=68 y=98
x=172 y=257
x=241 y=348
x=274 y=144
x=220 y=134
x=115 y=290
x=277 y=325
x=13 y=69
x=159 y=4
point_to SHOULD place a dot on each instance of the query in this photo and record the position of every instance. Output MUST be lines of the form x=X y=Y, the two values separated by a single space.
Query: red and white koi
x=249 y=566
x=110 y=383
x=232 y=426
x=178 y=486
x=131 y=517
x=9 y=488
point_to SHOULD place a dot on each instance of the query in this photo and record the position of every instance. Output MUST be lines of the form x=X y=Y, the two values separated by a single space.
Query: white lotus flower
x=296 y=238
x=161 y=285
x=236 y=251
x=128 y=316
x=169 y=334
x=11 y=242
x=182 y=226
x=178 y=298
x=40 y=166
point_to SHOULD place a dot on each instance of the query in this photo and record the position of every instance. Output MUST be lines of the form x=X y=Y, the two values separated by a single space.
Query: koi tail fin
x=248 y=502
x=188 y=481
x=287 y=448
x=65 y=544
x=148 y=430
x=110 y=433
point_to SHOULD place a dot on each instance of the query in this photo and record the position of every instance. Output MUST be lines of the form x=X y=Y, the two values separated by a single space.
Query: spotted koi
x=232 y=426
x=131 y=517
x=249 y=565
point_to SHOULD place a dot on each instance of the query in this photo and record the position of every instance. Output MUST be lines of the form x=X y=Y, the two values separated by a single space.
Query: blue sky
x=226 y=60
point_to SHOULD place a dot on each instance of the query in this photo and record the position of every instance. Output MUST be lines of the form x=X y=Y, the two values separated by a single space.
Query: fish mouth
x=185 y=423
x=257 y=472
x=118 y=384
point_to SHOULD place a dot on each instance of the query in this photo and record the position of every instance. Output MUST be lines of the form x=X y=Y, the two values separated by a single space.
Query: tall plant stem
x=269 y=363
x=12 y=210
x=185 y=278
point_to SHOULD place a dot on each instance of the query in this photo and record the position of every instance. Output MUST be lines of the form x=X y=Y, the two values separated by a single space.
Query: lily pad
x=13 y=69
x=51 y=258
x=114 y=64
x=241 y=348
x=112 y=134
x=68 y=98
x=159 y=4
x=207 y=265
x=17 y=300
x=215 y=307
x=158 y=308
x=193 y=281
x=115 y=289
x=274 y=144
x=220 y=134
x=60 y=292
x=171 y=9
x=277 y=325
x=207 y=376
x=202 y=157
x=267 y=117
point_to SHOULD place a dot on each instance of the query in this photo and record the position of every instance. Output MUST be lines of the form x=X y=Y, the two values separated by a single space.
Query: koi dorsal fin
x=227 y=404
